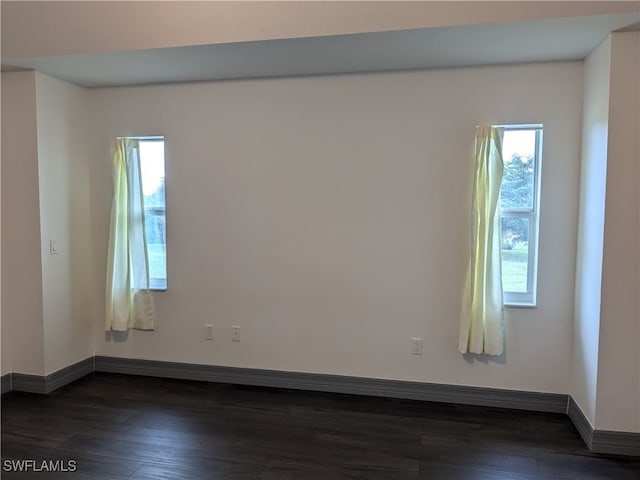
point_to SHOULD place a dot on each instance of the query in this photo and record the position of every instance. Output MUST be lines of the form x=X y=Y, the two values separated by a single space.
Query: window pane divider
x=507 y=212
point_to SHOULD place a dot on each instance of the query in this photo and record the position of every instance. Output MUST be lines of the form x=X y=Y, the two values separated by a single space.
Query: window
x=519 y=203
x=153 y=185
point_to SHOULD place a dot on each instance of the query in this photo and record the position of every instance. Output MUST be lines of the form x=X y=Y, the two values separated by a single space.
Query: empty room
x=320 y=240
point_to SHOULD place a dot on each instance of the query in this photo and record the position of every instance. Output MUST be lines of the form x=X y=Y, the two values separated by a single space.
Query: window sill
x=158 y=284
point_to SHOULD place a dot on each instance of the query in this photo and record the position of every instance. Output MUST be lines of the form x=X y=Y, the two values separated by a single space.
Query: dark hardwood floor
x=128 y=427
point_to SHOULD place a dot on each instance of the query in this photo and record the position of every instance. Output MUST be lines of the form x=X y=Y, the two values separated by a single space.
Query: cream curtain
x=482 y=317
x=129 y=302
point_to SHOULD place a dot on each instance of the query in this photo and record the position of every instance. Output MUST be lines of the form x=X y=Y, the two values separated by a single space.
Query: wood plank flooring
x=130 y=427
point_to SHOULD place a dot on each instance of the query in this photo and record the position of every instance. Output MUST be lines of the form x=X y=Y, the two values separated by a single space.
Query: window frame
x=528 y=299
x=157 y=284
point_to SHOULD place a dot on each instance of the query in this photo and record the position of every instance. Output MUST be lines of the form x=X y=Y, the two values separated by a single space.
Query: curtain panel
x=129 y=300
x=482 y=316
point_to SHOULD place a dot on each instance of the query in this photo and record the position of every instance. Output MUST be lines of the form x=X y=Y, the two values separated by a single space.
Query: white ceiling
x=530 y=41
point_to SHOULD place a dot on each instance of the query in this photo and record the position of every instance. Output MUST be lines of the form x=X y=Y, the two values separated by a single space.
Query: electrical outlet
x=416 y=346
x=209 y=332
x=235 y=336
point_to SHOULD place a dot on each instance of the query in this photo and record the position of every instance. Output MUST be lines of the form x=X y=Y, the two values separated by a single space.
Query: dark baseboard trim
x=69 y=374
x=616 y=443
x=603 y=441
x=490 y=397
x=5 y=383
x=21 y=382
x=47 y=384
x=580 y=422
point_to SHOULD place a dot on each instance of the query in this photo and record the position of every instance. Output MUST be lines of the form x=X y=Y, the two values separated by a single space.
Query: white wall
x=618 y=399
x=22 y=331
x=326 y=216
x=593 y=174
x=64 y=216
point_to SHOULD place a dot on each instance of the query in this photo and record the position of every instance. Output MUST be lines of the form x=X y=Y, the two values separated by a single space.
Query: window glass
x=519 y=156
x=515 y=254
x=153 y=188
